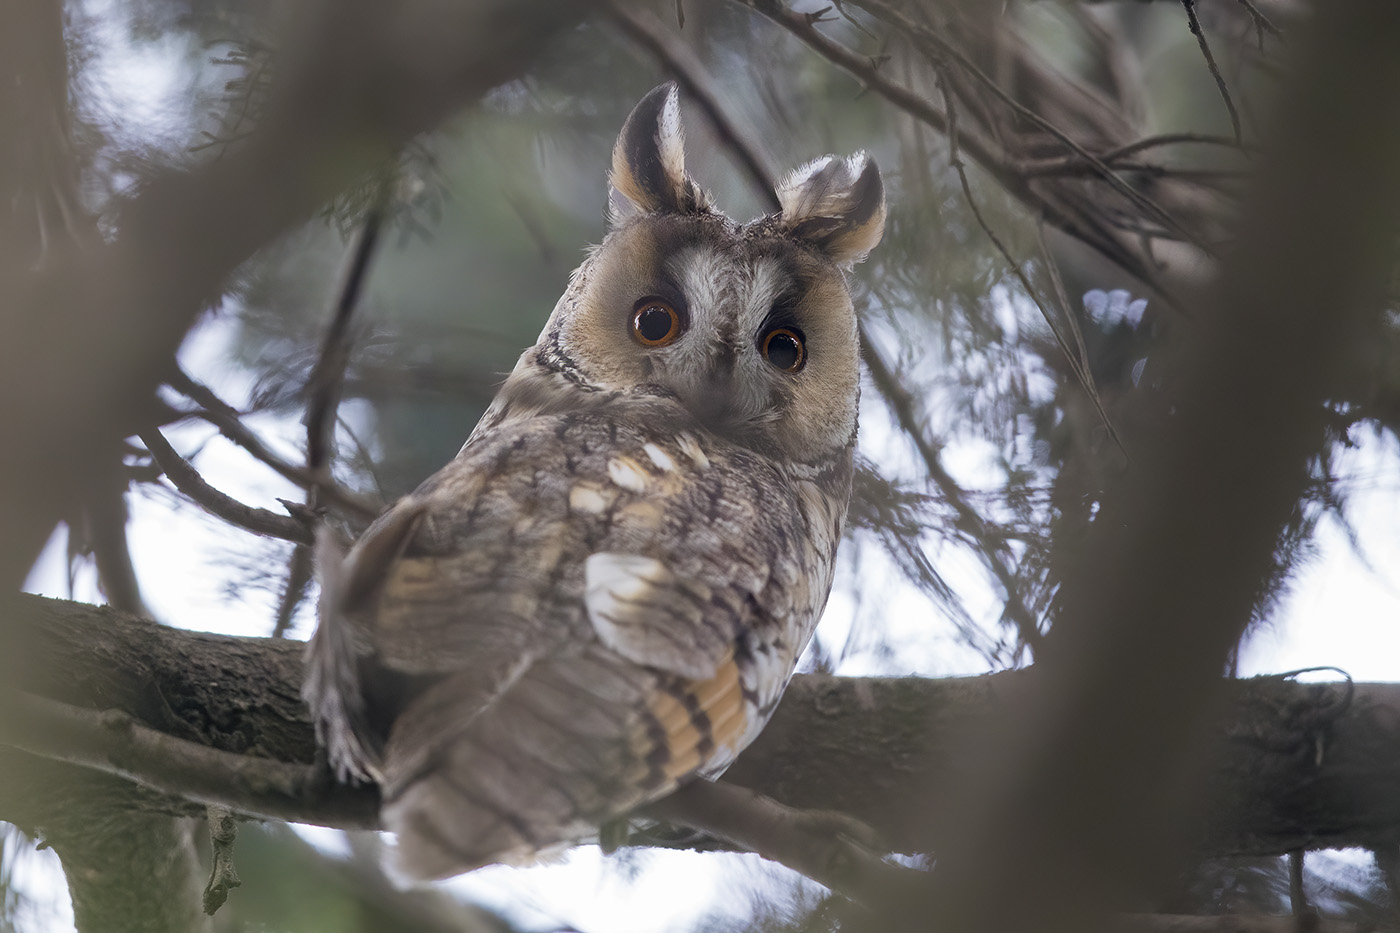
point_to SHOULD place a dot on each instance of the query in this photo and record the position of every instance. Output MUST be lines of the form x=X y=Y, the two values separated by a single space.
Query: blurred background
x=1062 y=178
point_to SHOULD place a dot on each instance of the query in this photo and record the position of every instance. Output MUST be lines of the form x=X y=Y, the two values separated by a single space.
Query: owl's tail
x=557 y=748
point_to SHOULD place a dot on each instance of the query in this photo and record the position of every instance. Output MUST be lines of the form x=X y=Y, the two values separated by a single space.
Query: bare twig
x=1195 y=23
x=949 y=52
x=1262 y=23
x=299 y=569
x=1057 y=284
x=229 y=421
x=979 y=147
x=840 y=852
x=323 y=391
x=642 y=27
x=845 y=14
x=104 y=518
x=1086 y=381
x=970 y=522
x=1068 y=168
x=1078 y=364
x=1297 y=895
x=323 y=386
x=113 y=743
x=1171 y=139
x=188 y=480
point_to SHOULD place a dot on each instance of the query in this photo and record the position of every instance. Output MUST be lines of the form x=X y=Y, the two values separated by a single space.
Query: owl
x=605 y=593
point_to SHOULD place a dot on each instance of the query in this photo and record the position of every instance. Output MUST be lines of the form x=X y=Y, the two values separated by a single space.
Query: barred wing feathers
x=585 y=616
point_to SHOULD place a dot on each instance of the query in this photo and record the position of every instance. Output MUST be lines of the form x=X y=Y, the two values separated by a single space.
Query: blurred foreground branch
x=1077 y=799
x=90 y=335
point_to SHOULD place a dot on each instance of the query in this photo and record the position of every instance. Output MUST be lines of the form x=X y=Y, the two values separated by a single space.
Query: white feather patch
x=588 y=497
x=627 y=473
x=659 y=457
x=640 y=610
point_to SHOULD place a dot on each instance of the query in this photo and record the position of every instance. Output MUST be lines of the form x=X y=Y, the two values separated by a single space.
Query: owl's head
x=749 y=326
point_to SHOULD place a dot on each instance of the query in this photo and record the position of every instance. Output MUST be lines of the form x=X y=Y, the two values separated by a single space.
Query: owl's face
x=750 y=326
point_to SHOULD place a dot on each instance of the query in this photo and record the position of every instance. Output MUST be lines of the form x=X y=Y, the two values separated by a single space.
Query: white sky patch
x=328 y=841
x=1344 y=608
x=644 y=891
x=36 y=876
x=141 y=85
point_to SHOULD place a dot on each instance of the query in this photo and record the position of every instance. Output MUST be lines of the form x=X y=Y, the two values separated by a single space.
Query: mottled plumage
x=607 y=590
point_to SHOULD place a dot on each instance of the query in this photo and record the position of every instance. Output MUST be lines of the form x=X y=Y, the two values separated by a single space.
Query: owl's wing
x=583 y=630
x=339 y=662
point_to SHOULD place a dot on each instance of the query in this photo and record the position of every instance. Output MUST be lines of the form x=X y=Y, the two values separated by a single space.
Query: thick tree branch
x=112 y=742
x=1296 y=766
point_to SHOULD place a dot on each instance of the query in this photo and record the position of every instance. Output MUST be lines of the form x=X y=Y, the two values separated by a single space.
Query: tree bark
x=1295 y=766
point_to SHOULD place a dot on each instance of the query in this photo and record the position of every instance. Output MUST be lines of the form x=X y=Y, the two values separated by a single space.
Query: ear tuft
x=836 y=206
x=648 y=163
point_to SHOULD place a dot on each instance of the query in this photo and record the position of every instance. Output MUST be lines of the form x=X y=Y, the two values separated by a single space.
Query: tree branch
x=229 y=422
x=113 y=742
x=227 y=714
x=326 y=381
x=829 y=847
x=188 y=480
x=980 y=147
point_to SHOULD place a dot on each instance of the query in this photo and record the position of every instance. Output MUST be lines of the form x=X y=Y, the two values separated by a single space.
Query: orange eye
x=783 y=347
x=655 y=323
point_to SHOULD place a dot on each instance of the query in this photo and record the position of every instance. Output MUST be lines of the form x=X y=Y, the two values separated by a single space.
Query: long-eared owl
x=605 y=593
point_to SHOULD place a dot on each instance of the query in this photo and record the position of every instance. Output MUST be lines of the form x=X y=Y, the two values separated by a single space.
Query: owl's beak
x=714 y=412
x=719 y=399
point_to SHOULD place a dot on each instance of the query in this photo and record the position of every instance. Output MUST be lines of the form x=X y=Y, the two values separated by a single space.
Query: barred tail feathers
x=570 y=743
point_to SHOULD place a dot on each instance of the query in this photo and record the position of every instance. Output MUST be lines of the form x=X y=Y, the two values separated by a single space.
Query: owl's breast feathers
x=578 y=613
